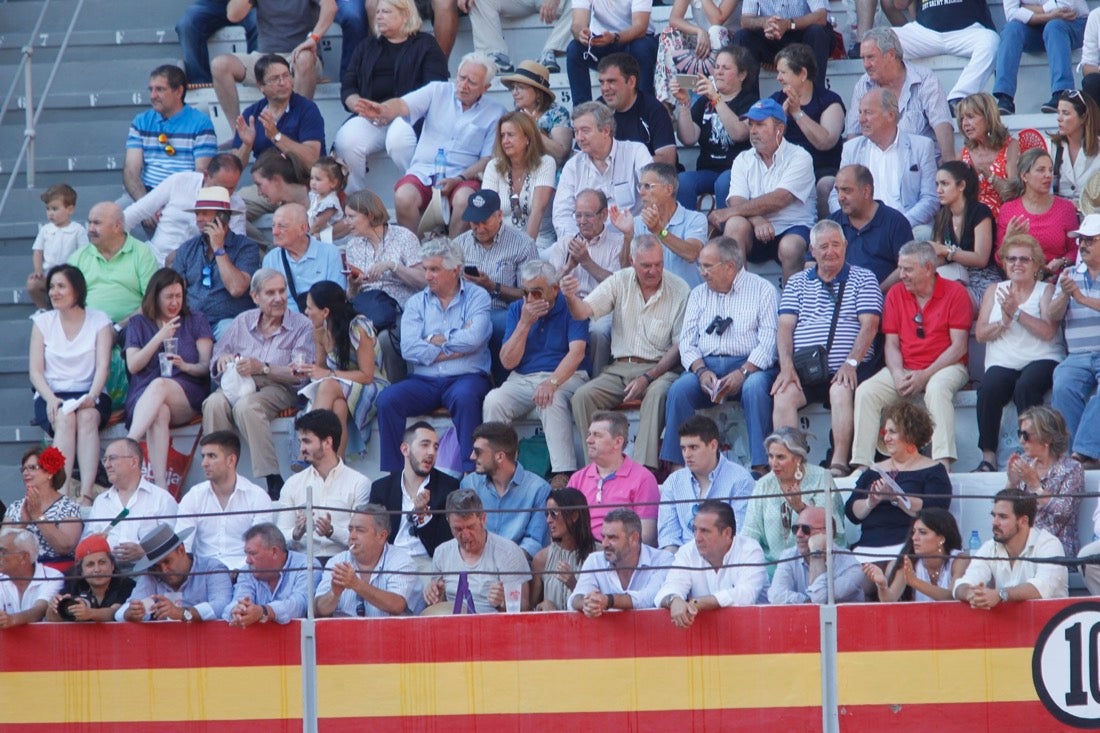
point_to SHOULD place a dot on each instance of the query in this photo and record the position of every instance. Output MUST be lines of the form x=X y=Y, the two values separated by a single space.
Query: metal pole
x=830 y=715
x=28 y=132
x=309 y=632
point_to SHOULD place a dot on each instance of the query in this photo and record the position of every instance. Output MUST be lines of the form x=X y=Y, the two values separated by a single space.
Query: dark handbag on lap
x=811 y=363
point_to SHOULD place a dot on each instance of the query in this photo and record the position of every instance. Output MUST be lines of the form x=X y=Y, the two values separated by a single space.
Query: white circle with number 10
x=1065 y=665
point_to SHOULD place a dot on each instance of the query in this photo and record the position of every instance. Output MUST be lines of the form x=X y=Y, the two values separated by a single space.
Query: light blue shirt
x=465 y=324
x=291 y=594
x=729 y=482
x=790 y=584
x=320 y=262
x=507 y=515
x=684 y=224
x=207 y=589
x=466 y=136
x=395 y=572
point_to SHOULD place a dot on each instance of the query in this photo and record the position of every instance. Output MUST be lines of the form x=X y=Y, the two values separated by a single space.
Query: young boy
x=56 y=240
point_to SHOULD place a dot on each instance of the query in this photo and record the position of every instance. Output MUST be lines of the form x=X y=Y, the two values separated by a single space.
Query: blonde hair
x=413 y=22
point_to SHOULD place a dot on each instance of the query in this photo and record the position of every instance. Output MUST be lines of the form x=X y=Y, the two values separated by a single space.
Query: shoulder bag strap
x=836 y=316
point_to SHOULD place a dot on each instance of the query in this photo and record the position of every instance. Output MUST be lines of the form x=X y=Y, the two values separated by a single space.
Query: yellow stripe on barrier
x=217 y=693
x=930 y=676
x=590 y=685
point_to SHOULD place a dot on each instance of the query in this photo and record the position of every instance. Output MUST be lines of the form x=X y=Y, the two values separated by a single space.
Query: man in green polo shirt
x=116 y=266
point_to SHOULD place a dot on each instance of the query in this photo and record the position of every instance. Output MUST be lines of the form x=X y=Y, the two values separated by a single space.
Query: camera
x=65 y=608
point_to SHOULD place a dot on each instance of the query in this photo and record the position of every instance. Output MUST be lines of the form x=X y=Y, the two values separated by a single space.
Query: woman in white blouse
x=1076 y=146
x=524 y=177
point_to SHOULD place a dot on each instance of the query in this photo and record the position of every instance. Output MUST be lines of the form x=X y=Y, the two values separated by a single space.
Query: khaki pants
x=513 y=400
x=875 y=394
x=251 y=418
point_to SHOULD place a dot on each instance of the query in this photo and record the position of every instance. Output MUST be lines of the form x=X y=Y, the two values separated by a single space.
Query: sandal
x=985 y=467
x=840 y=470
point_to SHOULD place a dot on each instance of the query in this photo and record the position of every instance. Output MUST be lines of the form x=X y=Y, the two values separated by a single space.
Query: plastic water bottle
x=440 y=168
x=975 y=542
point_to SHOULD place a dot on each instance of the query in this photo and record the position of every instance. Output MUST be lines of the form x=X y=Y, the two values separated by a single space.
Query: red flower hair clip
x=51 y=460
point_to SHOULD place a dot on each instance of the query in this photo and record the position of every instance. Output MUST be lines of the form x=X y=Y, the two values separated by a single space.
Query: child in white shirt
x=56 y=240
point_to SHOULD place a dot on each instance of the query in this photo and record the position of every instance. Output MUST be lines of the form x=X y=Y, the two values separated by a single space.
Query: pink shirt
x=631 y=484
x=1051 y=228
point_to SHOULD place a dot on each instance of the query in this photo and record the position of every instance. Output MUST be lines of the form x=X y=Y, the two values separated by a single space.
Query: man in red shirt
x=926 y=320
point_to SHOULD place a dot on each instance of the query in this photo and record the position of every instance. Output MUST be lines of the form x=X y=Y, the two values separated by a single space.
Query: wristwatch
x=663 y=233
x=219 y=251
x=744 y=372
x=264 y=615
x=188 y=616
x=610 y=600
x=1002 y=593
x=278 y=138
x=794 y=27
x=554 y=381
x=852 y=363
x=267 y=368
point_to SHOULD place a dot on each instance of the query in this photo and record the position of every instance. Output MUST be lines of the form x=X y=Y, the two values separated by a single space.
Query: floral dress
x=1064 y=483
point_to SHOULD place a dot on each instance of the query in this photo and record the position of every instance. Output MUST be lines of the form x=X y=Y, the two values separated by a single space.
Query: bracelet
x=316 y=38
x=647 y=377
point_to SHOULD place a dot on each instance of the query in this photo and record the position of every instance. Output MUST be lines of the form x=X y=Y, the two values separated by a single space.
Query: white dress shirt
x=45 y=584
x=694 y=577
x=337 y=494
x=1051 y=580
x=598 y=574
x=220 y=534
x=149 y=506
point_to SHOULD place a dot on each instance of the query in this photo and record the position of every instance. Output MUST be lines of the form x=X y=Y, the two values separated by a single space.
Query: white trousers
x=977 y=43
x=485 y=18
x=358 y=139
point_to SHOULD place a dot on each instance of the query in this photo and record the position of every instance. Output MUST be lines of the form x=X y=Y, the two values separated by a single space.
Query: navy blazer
x=387 y=491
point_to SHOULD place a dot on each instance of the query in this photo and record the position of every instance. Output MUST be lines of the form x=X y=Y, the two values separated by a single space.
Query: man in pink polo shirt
x=612 y=479
x=926 y=320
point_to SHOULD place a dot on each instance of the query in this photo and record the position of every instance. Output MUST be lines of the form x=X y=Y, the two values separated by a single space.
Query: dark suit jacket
x=387 y=492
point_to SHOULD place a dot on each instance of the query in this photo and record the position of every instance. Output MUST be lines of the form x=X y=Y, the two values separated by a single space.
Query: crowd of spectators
x=525 y=277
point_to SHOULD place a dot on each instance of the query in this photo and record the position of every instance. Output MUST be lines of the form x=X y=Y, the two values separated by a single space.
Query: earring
x=798 y=473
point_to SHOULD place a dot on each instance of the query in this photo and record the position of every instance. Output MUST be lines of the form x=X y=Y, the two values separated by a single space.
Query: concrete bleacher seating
x=101 y=84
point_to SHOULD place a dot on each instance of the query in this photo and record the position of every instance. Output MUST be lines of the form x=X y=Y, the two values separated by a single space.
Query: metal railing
x=26 y=151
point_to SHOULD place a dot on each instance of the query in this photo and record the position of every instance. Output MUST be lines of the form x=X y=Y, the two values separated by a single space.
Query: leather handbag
x=811 y=363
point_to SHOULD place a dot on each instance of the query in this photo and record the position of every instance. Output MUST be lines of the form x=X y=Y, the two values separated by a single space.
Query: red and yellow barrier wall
x=901 y=667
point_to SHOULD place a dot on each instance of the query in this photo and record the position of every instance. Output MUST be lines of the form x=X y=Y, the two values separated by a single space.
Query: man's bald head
x=106 y=225
x=290 y=227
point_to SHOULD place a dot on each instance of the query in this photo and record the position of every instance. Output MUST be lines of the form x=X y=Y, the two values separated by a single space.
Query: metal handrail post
x=29 y=131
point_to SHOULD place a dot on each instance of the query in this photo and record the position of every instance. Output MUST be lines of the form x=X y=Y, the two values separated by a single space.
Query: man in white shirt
x=604 y=163
x=717 y=569
x=147 y=504
x=26 y=586
x=334 y=486
x=625 y=575
x=773 y=194
x=1003 y=570
x=230 y=502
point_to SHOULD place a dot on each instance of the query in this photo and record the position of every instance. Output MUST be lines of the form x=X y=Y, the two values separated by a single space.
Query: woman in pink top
x=1041 y=214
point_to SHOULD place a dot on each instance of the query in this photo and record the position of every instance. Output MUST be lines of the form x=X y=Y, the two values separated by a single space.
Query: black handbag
x=811 y=363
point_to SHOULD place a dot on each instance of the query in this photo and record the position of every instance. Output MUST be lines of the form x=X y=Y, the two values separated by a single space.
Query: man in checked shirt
x=727 y=347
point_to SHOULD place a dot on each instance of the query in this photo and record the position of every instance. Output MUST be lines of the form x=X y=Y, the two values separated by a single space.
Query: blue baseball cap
x=764 y=109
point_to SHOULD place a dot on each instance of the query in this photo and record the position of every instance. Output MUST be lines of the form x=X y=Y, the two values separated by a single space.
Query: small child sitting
x=56 y=240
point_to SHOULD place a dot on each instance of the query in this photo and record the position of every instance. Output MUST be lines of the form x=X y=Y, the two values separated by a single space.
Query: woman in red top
x=988 y=148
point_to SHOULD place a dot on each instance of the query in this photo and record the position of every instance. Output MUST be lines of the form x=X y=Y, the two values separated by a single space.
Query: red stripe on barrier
x=758 y=720
x=530 y=636
x=46 y=647
x=183 y=726
x=943 y=625
x=1001 y=716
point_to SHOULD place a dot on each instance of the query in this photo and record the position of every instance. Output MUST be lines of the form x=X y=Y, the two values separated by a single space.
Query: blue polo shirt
x=684 y=224
x=876 y=245
x=190 y=135
x=548 y=340
x=215 y=301
x=301 y=122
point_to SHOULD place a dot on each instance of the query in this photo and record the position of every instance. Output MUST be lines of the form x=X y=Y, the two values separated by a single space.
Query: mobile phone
x=471 y=271
x=687 y=81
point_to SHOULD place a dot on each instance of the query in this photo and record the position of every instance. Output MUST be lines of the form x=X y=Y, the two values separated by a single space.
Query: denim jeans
x=1057 y=38
x=1074 y=395
x=351 y=16
x=202 y=19
x=686 y=396
x=644 y=51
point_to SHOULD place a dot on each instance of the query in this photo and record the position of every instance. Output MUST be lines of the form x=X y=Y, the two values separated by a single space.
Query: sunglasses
x=1017 y=259
x=919 y=320
x=163 y=140
x=207 y=273
x=1024 y=436
x=806 y=529
x=534 y=293
x=553 y=513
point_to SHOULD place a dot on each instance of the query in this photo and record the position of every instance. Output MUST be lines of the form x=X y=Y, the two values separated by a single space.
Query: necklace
x=518 y=201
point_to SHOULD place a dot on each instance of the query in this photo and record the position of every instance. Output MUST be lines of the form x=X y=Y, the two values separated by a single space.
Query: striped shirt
x=641 y=328
x=189 y=133
x=751 y=303
x=604 y=249
x=502 y=259
x=811 y=301
x=1082 y=322
x=619 y=182
x=921 y=106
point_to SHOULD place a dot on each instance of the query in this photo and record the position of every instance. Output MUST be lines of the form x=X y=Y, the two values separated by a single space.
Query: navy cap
x=481 y=205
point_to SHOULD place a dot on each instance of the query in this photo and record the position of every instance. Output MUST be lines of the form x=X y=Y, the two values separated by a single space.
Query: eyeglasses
x=599 y=487
x=710 y=266
x=163 y=140
x=1017 y=259
x=29 y=468
x=113 y=458
x=276 y=79
x=649 y=186
x=919 y=320
x=533 y=293
x=207 y=276
x=553 y=513
x=584 y=215
x=828 y=288
x=1024 y=436
x=806 y=529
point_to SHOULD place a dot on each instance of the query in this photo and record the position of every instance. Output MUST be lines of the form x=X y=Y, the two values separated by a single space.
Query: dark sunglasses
x=806 y=529
x=1024 y=436
x=919 y=320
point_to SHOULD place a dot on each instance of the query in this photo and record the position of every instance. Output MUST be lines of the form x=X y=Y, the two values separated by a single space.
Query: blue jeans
x=351 y=16
x=686 y=396
x=644 y=51
x=499 y=318
x=1057 y=38
x=202 y=19
x=462 y=395
x=1074 y=395
x=694 y=184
